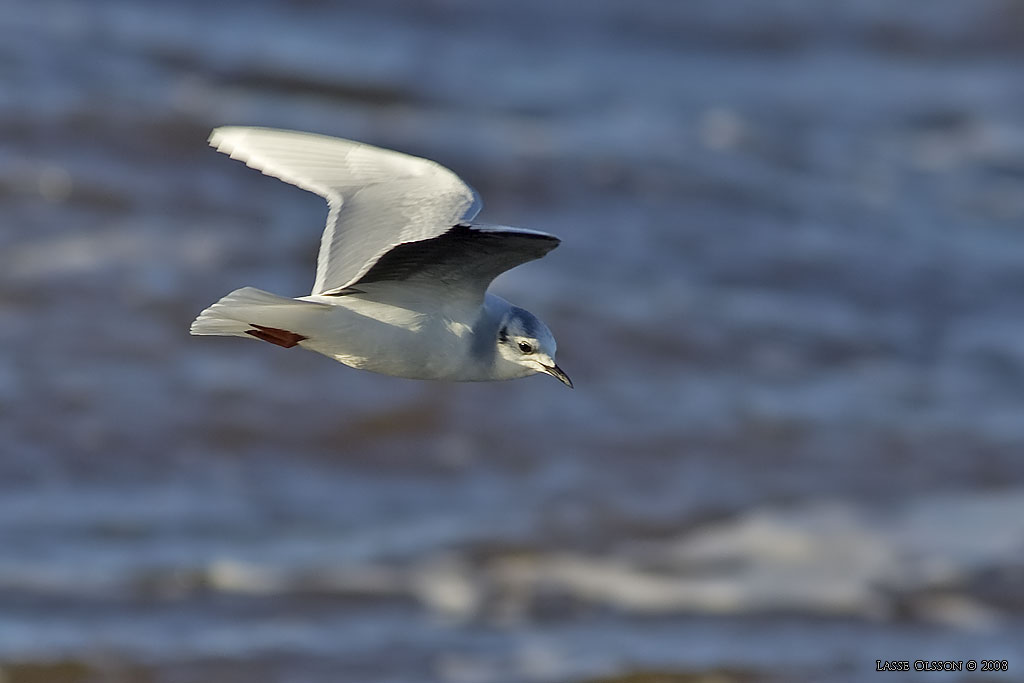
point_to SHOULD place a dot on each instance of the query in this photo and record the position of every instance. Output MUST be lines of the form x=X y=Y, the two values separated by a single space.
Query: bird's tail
x=251 y=312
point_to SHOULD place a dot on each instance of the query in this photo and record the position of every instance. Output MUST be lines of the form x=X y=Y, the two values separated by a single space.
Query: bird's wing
x=464 y=260
x=378 y=199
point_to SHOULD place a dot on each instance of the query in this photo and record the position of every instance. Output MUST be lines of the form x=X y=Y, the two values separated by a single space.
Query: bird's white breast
x=396 y=339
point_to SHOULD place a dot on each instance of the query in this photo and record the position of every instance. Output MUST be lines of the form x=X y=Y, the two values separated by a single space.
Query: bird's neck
x=485 y=341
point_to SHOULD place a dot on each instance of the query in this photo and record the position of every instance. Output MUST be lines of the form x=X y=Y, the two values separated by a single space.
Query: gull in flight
x=402 y=274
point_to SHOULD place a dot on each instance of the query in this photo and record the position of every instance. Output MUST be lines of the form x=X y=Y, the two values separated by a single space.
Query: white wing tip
x=226 y=138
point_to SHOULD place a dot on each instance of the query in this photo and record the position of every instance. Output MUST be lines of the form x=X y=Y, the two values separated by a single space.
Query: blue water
x=789 y=292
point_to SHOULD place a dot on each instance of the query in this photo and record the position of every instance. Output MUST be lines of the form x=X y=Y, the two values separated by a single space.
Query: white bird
x=402 y=273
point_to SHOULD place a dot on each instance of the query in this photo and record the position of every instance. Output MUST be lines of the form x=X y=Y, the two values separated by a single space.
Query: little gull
x=402 y=274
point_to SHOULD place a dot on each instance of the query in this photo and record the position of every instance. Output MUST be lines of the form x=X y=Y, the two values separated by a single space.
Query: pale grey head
x=525 y=341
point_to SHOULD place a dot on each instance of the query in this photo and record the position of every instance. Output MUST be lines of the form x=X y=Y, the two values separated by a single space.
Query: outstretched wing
x=465 y=259
x=378 y=199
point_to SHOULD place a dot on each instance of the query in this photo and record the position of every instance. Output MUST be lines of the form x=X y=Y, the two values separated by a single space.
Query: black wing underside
x=464 y=256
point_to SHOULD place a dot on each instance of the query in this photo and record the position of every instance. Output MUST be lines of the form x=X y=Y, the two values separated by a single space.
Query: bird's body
x=402 y=274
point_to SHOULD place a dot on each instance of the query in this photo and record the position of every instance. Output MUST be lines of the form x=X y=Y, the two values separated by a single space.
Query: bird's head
x=527 y=342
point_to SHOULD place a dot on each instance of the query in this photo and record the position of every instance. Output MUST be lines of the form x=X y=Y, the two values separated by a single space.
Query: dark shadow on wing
x=463 y=256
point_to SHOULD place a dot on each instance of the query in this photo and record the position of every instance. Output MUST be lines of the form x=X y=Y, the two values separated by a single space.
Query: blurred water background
x=790 y=293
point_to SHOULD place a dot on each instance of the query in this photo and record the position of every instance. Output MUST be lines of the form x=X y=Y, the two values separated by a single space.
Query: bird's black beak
x=557 y=373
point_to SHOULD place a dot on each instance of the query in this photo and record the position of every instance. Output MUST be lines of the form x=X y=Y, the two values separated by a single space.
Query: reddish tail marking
x=276 y=335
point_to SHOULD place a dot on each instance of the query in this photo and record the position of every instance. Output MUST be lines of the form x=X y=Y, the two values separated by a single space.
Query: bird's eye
x=525 y=348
